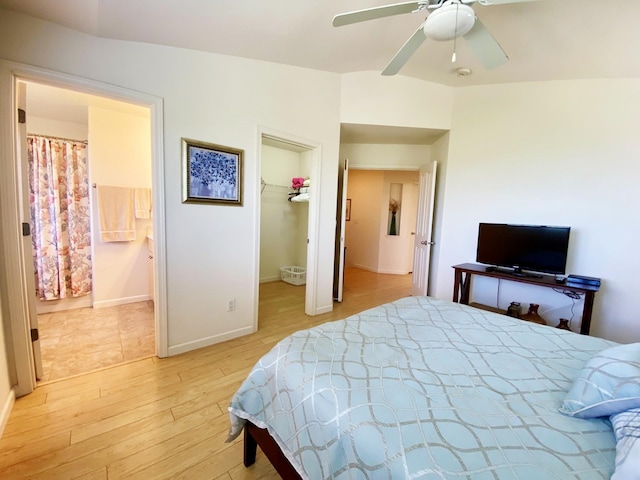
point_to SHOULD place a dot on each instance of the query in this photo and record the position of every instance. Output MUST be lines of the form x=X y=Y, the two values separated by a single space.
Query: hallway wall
x=369 y=246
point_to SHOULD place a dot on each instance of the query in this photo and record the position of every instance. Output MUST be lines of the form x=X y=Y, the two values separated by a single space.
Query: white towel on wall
x=143 y=202
x=116 y=212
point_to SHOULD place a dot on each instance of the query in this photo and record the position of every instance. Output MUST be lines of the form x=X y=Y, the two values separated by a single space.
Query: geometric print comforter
x=423 y=388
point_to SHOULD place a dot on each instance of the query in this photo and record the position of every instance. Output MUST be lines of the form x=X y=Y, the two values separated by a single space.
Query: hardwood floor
x=165 y=418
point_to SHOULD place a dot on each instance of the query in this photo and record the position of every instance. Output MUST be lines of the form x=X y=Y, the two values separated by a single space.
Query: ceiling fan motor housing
x=450 y=21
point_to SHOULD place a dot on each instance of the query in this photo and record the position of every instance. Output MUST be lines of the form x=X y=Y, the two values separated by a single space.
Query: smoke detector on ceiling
x=463 y=72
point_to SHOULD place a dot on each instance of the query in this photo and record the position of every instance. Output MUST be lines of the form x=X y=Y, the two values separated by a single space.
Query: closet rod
x=264 y=184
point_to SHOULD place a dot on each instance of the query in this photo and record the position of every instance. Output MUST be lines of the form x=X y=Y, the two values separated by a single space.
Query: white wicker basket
x=293 y=275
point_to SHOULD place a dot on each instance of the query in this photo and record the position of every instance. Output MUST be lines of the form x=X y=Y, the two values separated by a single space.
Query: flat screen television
x=536 y=248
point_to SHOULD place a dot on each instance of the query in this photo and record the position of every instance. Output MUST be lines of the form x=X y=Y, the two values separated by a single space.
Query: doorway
x=110 y=321
x=288 y=215
x=21 y=333
x=373 y=241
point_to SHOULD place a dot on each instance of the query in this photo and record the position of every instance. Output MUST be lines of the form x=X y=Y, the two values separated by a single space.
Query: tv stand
x=465 y=271
x=516 y=272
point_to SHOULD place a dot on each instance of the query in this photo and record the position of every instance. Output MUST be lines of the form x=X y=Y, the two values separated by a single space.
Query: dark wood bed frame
x=254 y=436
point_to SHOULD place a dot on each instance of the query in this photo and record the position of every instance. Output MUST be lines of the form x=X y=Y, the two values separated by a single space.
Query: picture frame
x=348 y=210
x=211 y=173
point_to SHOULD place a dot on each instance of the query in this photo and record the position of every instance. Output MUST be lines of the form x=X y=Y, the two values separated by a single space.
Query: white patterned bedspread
x=429 y=389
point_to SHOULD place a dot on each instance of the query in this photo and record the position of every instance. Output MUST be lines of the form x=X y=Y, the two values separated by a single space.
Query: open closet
x=284 y=214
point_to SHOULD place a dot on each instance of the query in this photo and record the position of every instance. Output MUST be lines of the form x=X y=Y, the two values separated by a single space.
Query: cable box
x=583 y=280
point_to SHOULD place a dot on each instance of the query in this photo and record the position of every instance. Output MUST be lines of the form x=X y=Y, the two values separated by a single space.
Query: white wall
x=372 y=99
x=559 y=153
x=119 y=155
x=283 y=224
x=56 y=128
x=374 y=156
x=362 y=231
x=210 y=249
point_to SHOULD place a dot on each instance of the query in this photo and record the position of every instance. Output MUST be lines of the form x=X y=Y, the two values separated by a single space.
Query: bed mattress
x=427 y=389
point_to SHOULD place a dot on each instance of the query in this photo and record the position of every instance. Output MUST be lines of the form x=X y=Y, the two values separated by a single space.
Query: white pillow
x=608 y=384
x=626 y=426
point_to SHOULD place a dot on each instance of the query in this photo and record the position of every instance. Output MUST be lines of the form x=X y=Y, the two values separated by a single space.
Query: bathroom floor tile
x=86 y=339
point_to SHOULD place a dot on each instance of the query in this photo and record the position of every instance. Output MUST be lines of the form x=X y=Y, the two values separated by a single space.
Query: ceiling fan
x=447 y=20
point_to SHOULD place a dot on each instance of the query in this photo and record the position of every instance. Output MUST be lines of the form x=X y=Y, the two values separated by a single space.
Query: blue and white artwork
x=213 y=174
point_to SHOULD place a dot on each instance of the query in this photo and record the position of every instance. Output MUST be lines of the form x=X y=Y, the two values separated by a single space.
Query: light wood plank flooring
x=165 y=418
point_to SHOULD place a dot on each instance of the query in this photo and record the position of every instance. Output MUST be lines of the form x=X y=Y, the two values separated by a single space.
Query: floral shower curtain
x=60 y=216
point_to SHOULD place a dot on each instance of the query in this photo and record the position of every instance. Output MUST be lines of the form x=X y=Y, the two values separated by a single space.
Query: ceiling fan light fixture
x=450 y=21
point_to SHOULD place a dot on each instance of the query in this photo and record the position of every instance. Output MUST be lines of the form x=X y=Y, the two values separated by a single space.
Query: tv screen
x=537 y=248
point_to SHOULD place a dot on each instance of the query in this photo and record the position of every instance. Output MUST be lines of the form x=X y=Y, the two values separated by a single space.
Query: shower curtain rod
x=51 y=137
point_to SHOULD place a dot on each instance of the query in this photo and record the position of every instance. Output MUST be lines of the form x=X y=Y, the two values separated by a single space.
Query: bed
x=430 y=389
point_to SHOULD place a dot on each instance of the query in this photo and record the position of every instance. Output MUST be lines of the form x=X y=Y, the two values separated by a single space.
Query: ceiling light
x=449 y=21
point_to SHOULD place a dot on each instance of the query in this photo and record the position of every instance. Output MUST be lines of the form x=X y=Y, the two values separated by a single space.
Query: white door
x=424 y=232
x=25 y=215
x=339 y=258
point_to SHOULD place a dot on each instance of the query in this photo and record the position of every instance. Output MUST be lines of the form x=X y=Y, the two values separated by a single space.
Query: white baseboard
x=85 y=302
x=205 y=342
x=364 y=267
x=270 y=279
x=7 y=406
x=122 y=301
x=393 y=272
x=60 y=305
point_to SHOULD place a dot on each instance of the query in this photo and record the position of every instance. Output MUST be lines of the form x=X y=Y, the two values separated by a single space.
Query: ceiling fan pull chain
x=455 y=36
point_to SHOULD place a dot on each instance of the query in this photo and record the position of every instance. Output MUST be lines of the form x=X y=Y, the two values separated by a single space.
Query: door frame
x=314 y=150
x=386 y=167
x=14 y=290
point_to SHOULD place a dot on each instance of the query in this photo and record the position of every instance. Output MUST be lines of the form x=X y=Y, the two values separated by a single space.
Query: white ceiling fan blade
x=404 y=54
x=485 y=46
x=373 y=13
x=502 y=2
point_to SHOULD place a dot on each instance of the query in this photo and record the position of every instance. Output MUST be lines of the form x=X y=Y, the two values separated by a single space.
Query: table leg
x=456 y=285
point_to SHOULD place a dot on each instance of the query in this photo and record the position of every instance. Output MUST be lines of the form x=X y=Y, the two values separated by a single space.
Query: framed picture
x=348 y=214
x=211 y=173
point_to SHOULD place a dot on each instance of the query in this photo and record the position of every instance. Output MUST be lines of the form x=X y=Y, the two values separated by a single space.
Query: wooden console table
x=464 y=272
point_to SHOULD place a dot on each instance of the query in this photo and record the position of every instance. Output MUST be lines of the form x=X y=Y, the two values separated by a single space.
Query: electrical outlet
x=231 y=305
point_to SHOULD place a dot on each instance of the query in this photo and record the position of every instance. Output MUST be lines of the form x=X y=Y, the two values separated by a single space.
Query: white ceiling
x=71 y=106
x=544 y=39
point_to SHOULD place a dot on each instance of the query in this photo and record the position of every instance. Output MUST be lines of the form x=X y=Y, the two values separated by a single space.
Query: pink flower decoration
x=297 y=182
